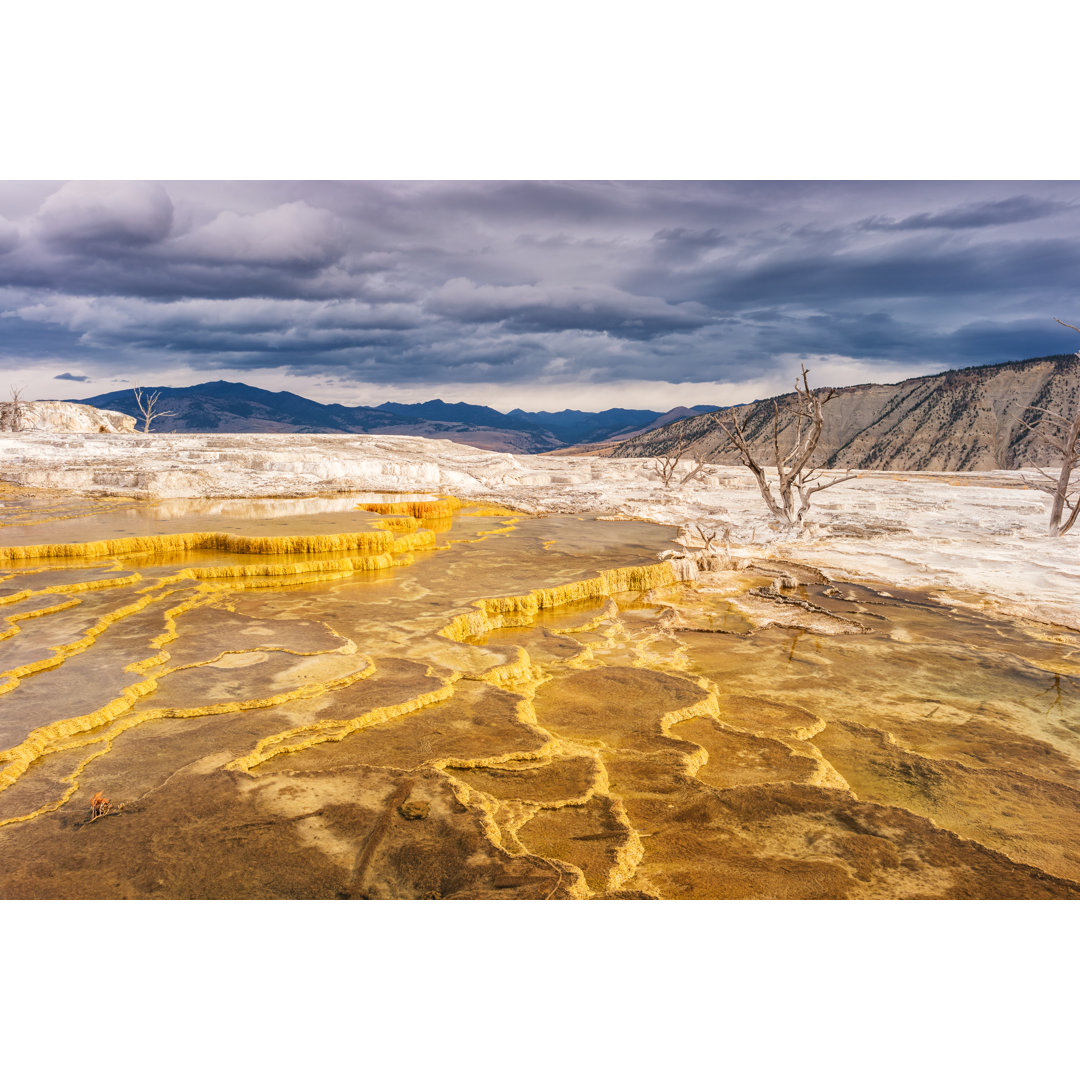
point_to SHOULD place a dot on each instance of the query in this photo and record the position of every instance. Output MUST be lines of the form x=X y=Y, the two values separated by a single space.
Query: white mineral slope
x=63 y=416
x=978 y=533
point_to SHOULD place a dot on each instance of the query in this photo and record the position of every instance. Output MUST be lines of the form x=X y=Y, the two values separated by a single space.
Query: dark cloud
x=521 y=283
x=73 y=378
x=97 y=215
x=973 y=216
x=9 y=236
x=543 y=307
x=900 y=271
x=681 y=245
x=880 y=336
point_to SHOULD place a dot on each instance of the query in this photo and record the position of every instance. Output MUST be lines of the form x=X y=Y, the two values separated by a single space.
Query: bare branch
x=736 y=436
x=1070 y=521
x=836 y=480
x=697 y=472
x=796 y=431
x=14 y=415
x=147 y=407
x=707 y=539
x=1065 y=442
x=666 y=466
x=1056 y=416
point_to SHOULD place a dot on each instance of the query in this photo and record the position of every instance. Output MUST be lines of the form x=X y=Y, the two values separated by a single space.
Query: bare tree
x=707 y=539
x=13 y=414
x=665 y=466
x=801 y=422
x=147 y=405
x=1061 y=434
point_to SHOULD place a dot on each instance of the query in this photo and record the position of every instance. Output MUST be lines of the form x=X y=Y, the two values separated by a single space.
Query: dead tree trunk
x=147 y=406
x=796 y=475
x=1061 y=433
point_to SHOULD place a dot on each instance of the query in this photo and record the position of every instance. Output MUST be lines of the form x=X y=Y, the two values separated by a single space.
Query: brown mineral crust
x=213 y=686
x=478 y=722
x=593 y=837
x=218 y=835
x=542 y=646
x=547 y=783
x=797 y=841
x=189 y=840
x=982 y=744
x=446 y=854
x=615 y=706
x=762 y=717
x=45 y=785
x=207 y=632
x=737 y=759
x=393 y=681
x=1030 y=820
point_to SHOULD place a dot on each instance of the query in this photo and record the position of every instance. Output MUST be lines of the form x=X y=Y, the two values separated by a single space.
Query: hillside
x=230 y=407
x=956 y=421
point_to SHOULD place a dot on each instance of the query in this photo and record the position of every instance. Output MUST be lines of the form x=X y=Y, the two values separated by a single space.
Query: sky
x=535 y=295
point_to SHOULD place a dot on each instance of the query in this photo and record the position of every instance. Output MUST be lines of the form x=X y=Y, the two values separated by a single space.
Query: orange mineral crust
x=414 y=697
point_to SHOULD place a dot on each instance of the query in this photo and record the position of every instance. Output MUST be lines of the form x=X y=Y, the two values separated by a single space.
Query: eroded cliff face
x=66 y=416
x=954 y=422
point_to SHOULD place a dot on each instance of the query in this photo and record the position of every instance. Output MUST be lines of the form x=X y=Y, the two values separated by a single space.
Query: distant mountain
x=460 y=412
x=569 y=426
x=679 y=413
x=604 y=446
x=956 y=421
x=574 y=426
x=236 y=407
x=229 y=406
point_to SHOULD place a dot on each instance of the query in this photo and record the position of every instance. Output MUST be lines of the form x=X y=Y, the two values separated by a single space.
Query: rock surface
x=978 y=533
x=62 y=416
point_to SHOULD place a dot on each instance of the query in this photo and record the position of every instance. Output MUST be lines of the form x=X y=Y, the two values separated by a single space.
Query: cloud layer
x=523 y=289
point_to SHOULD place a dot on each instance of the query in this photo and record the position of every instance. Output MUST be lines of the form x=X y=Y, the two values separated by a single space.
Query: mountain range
x=967 y=419
x=236 y=407
x=961 y=420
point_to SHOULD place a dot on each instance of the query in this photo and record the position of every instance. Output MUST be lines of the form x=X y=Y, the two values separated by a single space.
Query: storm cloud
x=624 y=293
x=84 y=215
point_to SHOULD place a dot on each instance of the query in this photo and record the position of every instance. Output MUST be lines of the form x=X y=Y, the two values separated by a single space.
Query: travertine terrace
x=383 y=667
x=977 y=532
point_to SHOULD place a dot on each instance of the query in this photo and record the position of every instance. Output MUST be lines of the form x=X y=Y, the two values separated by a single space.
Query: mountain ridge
x=960 y=420
x=234 y=407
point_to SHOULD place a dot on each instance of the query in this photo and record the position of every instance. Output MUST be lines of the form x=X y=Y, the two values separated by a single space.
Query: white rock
x=63 y=416
x=973 y=532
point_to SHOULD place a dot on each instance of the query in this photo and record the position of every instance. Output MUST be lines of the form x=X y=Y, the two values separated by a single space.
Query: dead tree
x=666 y=465
x=1061 y=434
x=147 y=406
x=13 y=416
x=801 y=422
